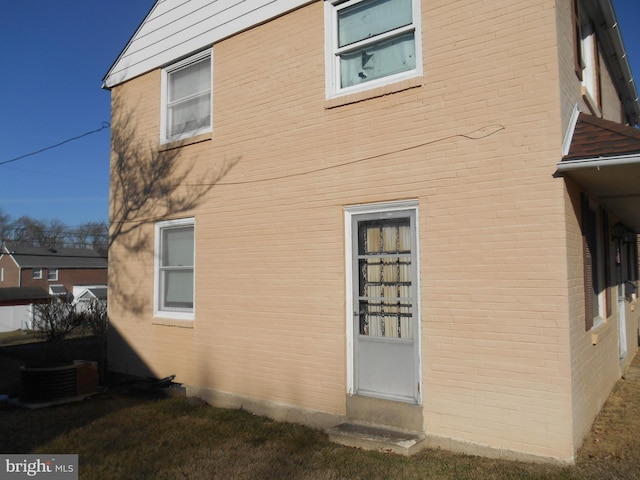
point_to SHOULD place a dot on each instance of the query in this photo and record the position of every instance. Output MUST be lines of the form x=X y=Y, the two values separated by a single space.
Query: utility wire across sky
x=104 y=126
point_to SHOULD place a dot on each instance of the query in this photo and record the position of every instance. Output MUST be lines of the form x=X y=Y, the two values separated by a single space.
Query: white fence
x=16 y=317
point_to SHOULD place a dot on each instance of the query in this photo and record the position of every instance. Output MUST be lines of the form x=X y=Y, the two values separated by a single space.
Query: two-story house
x=54 y=270
x=418 y=215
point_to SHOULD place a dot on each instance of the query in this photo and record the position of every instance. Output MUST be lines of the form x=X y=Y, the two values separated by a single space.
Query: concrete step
x=377 y=438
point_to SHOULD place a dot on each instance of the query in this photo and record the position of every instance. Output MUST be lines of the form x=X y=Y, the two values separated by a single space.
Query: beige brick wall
x=475 y=143
x=595 y=368
x=594 y=362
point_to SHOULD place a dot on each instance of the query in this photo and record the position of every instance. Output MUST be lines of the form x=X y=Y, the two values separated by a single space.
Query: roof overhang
x=614 y=181
x=616 y=57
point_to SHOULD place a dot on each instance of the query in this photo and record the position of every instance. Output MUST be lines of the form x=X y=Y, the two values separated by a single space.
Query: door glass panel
x=384 y=291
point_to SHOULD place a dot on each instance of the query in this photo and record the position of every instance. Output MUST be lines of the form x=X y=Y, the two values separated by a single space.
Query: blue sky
x=54 y=56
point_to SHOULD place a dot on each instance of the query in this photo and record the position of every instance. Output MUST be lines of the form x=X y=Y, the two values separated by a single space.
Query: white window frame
x=50 y=277
x=36 y=273
x=332 y=51
x=164 y=111
x=590 y=80
x=158 y=309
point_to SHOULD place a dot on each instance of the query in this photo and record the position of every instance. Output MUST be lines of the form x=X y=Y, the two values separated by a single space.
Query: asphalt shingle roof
x=22 y=293
x=595 y=137
x=28 y=257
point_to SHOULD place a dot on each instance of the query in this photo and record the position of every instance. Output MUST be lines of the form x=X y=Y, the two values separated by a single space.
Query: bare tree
x=91 y=235
x=55 y=235
x=99 y=232
x=6 y=226
x=29 y=231
x=81 y=236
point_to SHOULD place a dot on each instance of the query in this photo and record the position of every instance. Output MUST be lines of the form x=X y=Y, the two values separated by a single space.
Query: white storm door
x=386 y=357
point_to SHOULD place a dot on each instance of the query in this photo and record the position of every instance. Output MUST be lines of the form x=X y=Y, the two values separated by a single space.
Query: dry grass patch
x=612 y=449
x=121 y=437
x=18 y=337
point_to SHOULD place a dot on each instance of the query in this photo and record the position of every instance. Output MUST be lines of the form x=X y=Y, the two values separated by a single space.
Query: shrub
x=54 y=321
x=95 y=318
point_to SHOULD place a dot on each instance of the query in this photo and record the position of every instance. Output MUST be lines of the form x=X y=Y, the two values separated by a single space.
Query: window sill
x=173 y=322
x=598 y=331
x=203 y=137
x=373 y=93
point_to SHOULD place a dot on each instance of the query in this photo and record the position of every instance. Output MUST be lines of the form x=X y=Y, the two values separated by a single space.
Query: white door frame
x=349 y=212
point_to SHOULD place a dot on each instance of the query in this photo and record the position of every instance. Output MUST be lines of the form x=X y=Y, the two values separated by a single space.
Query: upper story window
x=186 y=97
x=37 y=273
x=591 y=69
x=52 y=274
x=587 y=60
x=371 y=43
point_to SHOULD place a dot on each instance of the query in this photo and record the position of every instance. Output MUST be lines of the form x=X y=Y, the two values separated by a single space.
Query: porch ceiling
x=615 y=181
x=603 y=157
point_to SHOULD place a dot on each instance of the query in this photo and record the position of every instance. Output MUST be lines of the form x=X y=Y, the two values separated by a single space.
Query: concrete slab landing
x=376 y=438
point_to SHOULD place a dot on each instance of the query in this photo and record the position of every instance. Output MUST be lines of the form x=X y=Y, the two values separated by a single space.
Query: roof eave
x=615 y=51
x=105 y=83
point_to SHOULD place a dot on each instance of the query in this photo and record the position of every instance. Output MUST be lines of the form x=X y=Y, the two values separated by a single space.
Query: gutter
x=617 y=51
x=598 y=163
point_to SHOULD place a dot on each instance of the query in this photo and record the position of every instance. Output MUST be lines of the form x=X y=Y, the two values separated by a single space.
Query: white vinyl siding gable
x=176 y=28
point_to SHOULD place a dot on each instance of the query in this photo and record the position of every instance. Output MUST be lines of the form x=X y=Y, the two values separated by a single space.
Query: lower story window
x=174 y=276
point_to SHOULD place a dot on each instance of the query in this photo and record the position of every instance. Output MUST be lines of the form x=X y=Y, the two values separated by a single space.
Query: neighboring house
x=415 y=214
x=84 y=296
x=16 y=306
x=56 y=270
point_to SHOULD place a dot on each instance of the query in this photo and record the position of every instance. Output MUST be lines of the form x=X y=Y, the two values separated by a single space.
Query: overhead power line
x=104 y=126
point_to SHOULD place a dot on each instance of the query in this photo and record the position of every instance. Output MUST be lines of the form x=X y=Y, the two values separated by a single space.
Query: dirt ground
x=612 y=447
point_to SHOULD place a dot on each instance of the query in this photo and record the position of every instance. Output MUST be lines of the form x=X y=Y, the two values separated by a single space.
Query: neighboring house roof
x=22 y=293
x=99 y=293
x=604 y=158
x=27 y=256
x=58 y=290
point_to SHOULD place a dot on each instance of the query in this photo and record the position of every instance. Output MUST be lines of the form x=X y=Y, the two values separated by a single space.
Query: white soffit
x=613 y=181
x=176 y=28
